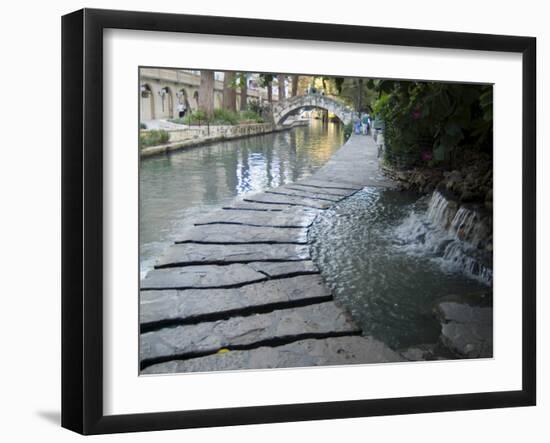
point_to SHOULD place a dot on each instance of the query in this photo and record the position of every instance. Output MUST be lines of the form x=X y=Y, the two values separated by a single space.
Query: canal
x=177 y=187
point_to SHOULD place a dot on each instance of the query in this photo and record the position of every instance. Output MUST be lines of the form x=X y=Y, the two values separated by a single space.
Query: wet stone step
x=192 y=305
x=285 y=219
x=306 y=194
x=230 y=234
x=329 y=351
x=277 y=199
x=188 y=254
x=208 y=276
x=321 y=191
x=277 y=327
x=285 y=269
x=242 y=206
x=329 y=184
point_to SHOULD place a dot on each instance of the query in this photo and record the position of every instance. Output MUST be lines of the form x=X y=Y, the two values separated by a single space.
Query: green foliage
x=221 y=117
x=250 y=115
x=266 y=80
x=153 y=138
x=430 y=121
x=191 y=118
x=225 y=117
x=348 y=130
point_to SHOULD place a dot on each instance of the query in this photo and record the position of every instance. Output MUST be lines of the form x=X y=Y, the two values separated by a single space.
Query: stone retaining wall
x=196 y=136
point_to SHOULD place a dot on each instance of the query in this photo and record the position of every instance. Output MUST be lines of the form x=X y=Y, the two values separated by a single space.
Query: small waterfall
x=441 y=211
x=456 y=237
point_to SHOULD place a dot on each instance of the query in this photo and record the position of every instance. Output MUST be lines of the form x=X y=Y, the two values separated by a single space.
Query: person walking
x=366 y=124
x=181 y=110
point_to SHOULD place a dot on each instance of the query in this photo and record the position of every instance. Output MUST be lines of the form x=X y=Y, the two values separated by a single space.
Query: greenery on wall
x=431 y=121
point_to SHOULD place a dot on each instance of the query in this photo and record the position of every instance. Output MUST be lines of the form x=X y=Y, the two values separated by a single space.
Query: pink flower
x=416 y=114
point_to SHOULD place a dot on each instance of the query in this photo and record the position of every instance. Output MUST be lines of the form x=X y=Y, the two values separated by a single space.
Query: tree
x=281 y=78
x=229 y=91
x=266 y=81
x=242 y=81
x=295 y=80
x=206 y=93
x=357 y=92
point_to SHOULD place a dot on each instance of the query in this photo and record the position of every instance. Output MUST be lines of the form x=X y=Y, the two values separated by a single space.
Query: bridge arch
x=281 y=110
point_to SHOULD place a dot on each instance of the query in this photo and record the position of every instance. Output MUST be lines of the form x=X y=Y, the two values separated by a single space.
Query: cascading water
x=457 y=237
x=389 y=257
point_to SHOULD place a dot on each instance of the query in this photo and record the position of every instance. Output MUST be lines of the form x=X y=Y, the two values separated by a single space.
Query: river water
x=387 y=275
x=177 y=187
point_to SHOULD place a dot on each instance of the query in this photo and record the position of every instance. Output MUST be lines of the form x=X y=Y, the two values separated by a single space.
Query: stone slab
x=329 y=184
x=241 y=205
x=291 y=200
x=285 y=269
x=197 y=277
x=321 y=190
x=199 y=304
x=188 y=254
x=319 y=320
x=325 y=352
x=284 y=219
x=230 y=234
x=306 y=194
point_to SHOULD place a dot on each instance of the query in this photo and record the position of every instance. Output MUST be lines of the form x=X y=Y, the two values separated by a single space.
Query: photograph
x=291 y=220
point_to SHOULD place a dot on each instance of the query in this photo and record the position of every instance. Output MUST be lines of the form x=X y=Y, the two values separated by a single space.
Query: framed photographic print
x=270 y=221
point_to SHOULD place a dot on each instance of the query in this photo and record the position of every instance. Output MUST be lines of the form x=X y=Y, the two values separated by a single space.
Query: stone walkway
x=238 y=289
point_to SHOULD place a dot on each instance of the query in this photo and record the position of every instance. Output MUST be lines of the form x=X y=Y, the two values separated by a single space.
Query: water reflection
x=176 y=187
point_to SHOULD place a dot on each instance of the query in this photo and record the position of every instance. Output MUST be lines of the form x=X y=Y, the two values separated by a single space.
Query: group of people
x=363 y=124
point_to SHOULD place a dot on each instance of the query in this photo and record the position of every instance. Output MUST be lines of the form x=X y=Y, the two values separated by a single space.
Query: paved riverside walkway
x=238 y=289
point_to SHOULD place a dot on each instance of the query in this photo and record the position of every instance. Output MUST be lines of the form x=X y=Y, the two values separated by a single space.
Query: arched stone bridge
x=281 y=110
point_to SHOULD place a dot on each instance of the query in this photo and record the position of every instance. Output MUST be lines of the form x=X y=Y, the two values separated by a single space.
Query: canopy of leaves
x=433 y=116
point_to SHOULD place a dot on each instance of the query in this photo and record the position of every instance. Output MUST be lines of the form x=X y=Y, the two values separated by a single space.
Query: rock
x=464 y=313
x=322 y=320
x=453 y=180
x=419 y=352
x=466 y=330
x=303 y=353
x=468 y=340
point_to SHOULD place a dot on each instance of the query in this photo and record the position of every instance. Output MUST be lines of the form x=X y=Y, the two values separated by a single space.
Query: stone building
x=161 y=90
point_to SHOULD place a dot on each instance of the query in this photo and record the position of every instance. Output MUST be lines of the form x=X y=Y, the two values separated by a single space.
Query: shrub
x=249 y=115
x=348 y=129
x=225 y=117
x=153 y=138
x=432 y=121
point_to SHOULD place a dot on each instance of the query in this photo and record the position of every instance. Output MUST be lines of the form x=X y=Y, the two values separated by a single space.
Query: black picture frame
x=82 y=220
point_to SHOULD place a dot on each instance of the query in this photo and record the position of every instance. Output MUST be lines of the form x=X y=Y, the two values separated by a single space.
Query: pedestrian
x=181 y=110
x=366 y=123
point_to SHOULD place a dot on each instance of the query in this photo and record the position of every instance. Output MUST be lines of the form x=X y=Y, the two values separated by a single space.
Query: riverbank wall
x=192 y=136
